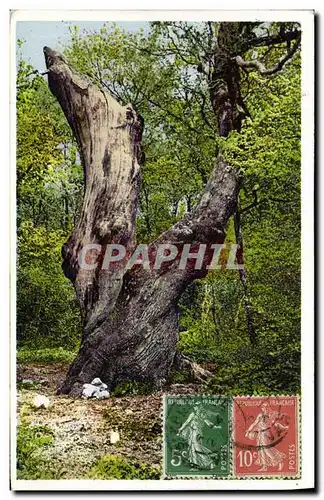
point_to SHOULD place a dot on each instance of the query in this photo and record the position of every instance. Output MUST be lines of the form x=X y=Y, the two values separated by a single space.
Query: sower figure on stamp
x=192 y=431
x=260 y=430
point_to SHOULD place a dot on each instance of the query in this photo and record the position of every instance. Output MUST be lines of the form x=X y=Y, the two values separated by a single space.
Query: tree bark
x=130 y=316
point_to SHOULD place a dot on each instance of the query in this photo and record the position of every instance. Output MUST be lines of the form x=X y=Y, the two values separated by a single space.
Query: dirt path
x=82 y=427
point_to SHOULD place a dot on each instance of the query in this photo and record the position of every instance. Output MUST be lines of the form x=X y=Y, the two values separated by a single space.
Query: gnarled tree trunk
x=130 y=316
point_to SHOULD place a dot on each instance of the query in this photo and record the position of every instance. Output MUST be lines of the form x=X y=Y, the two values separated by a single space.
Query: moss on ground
x=71 y=438
x=116 y=467
x=77 y=431
x=132 y=388
x=31 y=464
x=136 y=423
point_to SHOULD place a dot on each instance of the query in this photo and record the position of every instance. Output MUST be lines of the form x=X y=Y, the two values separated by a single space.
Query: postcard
x=162 y=297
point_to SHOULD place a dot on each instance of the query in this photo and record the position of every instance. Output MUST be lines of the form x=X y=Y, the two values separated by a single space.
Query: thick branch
x=259 y=66
x=108 y=136
x=205 y=224
x=269 y=40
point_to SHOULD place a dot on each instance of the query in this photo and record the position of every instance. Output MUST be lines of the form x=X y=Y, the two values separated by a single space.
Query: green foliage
x=170 y=96
x=47 y=312
x=157 y=72
x=49 y=190
x=132 y=388
x=45 y=356
x=216 y=332
x=31 y=440
x=29 y=384
x=258 y=371
x=39 y=132
x=180 y=377
x=114 y=467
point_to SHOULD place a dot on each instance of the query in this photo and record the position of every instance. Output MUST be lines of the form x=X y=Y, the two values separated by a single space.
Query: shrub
x=30 y=463
x=258 y=370
x=45 y=356
x=47 y=311
x=132 y=388
x=115 y=467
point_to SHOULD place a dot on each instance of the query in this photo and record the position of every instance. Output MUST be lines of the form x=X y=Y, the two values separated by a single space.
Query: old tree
x=130 y=316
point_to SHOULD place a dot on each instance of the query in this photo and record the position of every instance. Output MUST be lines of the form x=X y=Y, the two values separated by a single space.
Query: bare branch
x=262 y=202
x=179 y=118
x=178 y=51
x=270 y=71
x=34 y=72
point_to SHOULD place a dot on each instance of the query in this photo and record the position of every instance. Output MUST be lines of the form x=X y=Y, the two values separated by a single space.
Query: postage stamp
x=266 y=436
x=196 y=435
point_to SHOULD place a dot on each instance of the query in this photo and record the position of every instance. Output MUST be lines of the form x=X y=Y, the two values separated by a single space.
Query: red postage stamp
x=265 y=435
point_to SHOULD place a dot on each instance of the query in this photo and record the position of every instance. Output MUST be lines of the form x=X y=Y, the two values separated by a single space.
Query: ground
x=81 y=428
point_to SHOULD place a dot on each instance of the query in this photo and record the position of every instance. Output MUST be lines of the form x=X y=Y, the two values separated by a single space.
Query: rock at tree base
x=97 y=389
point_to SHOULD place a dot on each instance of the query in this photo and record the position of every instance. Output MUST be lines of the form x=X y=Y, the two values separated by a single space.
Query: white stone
x=96 y=381
x=40 y=401
x=87 y=386
x=95 y=391
x=88 y=391
x=102 y=394
x=114 y=437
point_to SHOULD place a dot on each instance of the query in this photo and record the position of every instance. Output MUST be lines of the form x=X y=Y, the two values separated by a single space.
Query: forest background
x=180 y=147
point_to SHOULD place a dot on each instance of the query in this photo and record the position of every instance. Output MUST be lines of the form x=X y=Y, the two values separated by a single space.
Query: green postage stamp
x=196 y=435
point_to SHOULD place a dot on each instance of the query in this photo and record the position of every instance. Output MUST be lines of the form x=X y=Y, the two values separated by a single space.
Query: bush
x=114 y=467
x=180 y=377
x=47 y=311
x=30 y=463
x=214 y=330
x=259 y=371
x=45 y=356
x=132 y=388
